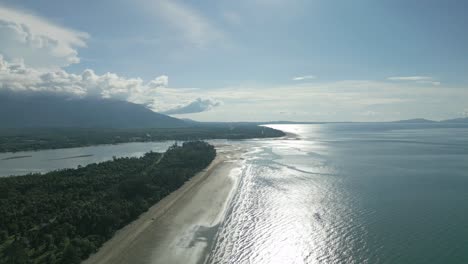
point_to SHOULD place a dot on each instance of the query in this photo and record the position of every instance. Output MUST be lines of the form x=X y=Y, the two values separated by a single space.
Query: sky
x=245 y=60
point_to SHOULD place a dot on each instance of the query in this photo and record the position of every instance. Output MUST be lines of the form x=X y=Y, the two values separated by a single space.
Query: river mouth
x=20 y=163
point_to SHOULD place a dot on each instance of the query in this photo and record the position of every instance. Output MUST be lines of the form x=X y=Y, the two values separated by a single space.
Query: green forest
x=14 y=140
x=64 y=216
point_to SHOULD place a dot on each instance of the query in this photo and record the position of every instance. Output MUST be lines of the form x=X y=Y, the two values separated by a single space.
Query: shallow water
x=351 y=193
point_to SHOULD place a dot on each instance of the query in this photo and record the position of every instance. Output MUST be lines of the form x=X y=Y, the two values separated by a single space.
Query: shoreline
x=180 y=227
x=290 y=136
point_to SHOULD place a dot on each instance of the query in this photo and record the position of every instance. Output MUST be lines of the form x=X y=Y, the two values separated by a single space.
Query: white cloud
x=305 y=77
x=36 y=41
x=20 y=78
x=193 y=26
x=155 y=94
x=160 y=81
x=197 y=106
x=410 y=78
x=416 y=79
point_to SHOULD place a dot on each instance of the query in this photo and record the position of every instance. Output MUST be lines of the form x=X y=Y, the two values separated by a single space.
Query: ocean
x=351 y=193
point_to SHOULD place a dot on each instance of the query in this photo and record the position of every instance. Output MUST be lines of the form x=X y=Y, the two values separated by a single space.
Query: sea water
x=351 y=193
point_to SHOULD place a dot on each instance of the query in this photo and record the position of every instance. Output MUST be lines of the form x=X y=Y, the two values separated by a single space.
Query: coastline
x=180 y=227
x=291 y=136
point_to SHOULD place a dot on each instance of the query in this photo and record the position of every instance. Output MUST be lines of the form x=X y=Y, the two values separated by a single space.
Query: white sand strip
x=180 y=227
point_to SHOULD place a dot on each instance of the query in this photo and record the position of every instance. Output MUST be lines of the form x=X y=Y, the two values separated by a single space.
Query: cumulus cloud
x=196 y=106
x=305 y=77
x=36 y=41
x=17 y=77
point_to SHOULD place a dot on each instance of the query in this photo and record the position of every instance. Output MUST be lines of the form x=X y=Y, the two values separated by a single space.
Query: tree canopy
x=64 y=216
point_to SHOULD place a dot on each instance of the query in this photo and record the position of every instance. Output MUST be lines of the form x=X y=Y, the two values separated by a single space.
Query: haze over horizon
x=246 y=60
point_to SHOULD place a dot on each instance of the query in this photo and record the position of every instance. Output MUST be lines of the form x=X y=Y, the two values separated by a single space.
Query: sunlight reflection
x=290 y=207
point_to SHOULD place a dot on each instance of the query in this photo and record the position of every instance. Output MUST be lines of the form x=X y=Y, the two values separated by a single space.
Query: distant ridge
x=463 y=120
x=456 y=120
x=415 y=120
x=44 y=110
x=406 y=121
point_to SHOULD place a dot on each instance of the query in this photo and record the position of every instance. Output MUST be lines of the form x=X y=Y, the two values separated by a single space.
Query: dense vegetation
x=65 y=215
x=12 y=140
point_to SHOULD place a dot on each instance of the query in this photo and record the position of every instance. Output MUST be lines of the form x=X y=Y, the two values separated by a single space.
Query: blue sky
x=362 y=60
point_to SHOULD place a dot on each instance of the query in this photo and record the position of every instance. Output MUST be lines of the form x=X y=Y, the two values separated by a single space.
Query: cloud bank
x=357 y=100
x=18 y=77
x=155 y=94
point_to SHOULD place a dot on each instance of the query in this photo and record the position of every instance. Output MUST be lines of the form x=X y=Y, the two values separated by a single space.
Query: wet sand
x=181 y=227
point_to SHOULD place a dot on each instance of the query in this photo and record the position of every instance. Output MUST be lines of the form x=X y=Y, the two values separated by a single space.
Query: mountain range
x=18 y=110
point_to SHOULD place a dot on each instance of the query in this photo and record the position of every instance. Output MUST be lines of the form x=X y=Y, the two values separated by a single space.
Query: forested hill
x=38 y=110
x=64 y=216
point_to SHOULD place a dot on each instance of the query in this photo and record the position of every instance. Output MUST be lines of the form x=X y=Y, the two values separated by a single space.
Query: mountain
x=415 y=120
x=44 y=110
x=190 y=121
x=463 y=120
x=422 y=120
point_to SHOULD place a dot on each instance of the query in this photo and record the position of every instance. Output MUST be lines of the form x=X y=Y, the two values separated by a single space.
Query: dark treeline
x=13 y=140
x=65 y=215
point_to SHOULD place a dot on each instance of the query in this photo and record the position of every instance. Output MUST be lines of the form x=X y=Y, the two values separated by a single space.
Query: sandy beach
x=181 y=227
